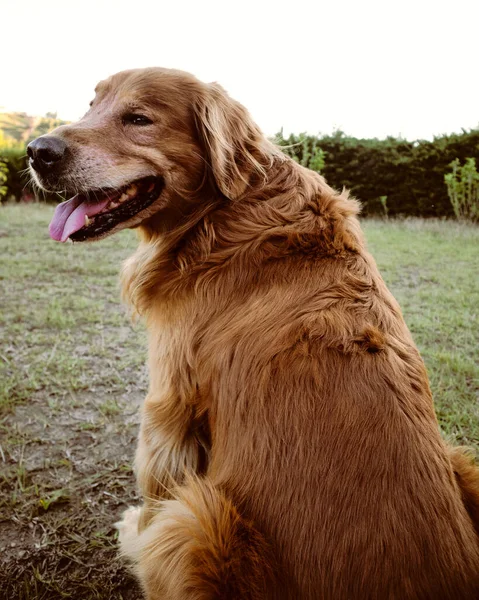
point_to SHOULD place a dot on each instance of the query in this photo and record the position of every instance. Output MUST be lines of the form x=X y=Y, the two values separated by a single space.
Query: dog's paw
x=128 y=530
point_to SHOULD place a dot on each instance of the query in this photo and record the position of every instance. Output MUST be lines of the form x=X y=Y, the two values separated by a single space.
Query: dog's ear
x=236 y=150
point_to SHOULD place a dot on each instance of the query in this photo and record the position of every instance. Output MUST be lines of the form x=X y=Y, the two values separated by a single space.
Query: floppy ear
x=236 y=150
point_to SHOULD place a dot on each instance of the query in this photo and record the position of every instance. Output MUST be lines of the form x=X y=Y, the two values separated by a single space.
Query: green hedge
x=409 y=174
x=14 y=179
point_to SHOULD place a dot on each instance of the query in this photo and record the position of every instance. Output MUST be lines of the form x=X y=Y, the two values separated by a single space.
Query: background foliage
x=463 y=189
x=390 y=177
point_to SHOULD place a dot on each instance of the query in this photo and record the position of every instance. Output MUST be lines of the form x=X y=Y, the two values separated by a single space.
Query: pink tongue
x=70 y=217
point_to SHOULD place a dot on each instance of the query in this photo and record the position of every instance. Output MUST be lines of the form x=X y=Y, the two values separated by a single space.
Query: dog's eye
x=135 y=119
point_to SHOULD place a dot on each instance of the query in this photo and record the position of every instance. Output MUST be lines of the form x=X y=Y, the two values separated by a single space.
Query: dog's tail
x=198 y=547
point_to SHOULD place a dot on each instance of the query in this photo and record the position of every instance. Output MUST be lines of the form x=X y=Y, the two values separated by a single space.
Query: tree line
x=390 y=177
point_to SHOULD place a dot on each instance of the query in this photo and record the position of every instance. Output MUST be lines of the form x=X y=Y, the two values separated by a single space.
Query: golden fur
x=288 y=447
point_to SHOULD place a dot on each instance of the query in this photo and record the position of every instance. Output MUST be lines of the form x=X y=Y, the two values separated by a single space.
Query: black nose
x=46 y=153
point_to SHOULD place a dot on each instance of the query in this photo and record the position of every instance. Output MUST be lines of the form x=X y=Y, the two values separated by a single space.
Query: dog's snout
x=46 y=152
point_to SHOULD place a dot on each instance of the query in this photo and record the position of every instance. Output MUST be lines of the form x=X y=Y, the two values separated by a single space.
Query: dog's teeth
x=87 y=221
x=132 y=190
x=124 y=197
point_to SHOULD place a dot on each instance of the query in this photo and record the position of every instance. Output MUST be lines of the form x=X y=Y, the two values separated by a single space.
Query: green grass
x=62 y=317
x=72 y=374
x=432 y=268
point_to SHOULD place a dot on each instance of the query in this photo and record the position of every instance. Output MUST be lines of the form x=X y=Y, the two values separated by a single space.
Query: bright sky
x=369 y=67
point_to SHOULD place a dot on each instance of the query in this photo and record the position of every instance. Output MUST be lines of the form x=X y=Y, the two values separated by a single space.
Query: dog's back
x=325 y=434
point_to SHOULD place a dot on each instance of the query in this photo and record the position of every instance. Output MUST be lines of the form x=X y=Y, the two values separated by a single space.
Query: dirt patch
x=66 y=477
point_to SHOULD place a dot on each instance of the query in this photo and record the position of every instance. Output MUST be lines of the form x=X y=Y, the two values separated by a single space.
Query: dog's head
x=154 y=143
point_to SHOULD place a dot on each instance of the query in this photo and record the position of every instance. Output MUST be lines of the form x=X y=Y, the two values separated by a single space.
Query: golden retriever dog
x=289 y=447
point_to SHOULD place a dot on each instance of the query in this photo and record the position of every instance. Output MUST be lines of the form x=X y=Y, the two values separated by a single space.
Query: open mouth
x=92 y=214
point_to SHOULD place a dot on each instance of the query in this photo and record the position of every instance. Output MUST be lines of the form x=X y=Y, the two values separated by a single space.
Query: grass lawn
x=72 y=375
x=432 y=268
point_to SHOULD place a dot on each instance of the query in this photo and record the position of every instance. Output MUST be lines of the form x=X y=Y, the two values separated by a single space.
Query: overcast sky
x=371 y=68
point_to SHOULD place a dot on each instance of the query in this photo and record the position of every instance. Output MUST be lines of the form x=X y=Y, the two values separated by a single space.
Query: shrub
x=463 y=189
x=410 y=174
x=13 y=179
x=3 y=179
x=302 y=148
